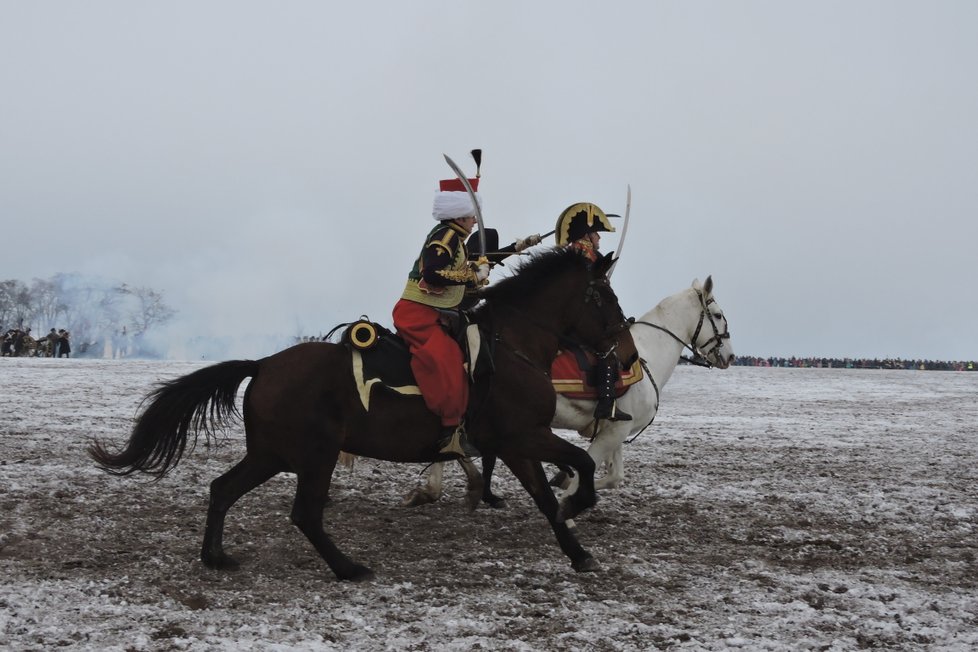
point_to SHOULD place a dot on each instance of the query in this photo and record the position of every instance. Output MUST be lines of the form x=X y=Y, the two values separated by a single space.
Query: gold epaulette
x=445 y=242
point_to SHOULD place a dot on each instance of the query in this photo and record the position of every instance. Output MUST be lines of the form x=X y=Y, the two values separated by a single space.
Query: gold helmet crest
x=577 y=220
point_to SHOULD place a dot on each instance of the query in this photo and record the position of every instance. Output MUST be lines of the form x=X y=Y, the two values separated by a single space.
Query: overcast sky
x=270 y=166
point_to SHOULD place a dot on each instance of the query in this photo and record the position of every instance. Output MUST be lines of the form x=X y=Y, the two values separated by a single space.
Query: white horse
x=690 y=319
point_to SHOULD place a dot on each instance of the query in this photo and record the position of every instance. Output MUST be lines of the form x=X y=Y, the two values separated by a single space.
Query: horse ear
x=603 y=264
x=708 y=286
x=696 y=284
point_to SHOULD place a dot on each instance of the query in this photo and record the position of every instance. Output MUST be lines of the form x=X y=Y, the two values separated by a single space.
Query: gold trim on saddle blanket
x=576 y=384
x=363 y=387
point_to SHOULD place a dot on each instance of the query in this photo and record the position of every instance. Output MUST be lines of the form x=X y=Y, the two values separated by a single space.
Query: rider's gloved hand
x=482 y=274
x=528 y=241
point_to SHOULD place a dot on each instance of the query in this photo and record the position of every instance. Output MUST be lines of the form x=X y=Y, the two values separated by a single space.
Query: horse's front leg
x=615 y=470
x=548 y=447
x=606 y=450
x=531 y=475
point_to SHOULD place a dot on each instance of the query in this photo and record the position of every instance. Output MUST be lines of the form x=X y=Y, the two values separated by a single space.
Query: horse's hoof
x=220 y=562
x=587 y=565
x=496 y=502
x=417 y=498
x=357 y=573
x=472 y=499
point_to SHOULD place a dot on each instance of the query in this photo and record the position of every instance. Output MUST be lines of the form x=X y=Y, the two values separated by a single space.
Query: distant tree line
x=859 y=363
x=104 y=318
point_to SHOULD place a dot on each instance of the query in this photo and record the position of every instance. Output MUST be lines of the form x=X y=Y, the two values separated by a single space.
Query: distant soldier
x=53 y=340
x=64 y=347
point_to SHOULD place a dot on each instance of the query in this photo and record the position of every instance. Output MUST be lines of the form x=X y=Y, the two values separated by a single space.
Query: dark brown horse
x=302 y=408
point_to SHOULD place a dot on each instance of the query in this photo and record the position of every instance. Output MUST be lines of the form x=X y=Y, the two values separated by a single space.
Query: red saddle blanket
x=572 y=371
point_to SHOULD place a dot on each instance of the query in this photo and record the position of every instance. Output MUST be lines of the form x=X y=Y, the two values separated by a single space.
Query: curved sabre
x=624 y=230
x=478 y=211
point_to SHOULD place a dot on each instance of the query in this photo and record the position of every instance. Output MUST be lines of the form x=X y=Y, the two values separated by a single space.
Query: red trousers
x=436 y=360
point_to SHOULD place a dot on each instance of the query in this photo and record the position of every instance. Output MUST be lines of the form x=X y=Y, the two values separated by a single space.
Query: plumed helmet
x=577 y=220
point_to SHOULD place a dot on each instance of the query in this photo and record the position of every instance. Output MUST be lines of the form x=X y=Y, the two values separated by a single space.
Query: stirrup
x=611 y=413
x=458 y=444
x=619 y=415
x=453 y=445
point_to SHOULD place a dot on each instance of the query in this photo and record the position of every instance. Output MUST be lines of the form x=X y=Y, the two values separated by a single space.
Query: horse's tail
x=200 y=401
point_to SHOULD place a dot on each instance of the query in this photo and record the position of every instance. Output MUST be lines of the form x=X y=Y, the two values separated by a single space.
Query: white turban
x=453 y=205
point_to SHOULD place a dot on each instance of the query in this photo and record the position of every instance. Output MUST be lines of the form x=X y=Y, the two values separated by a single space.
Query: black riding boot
x=455 y=441
x=607 y=407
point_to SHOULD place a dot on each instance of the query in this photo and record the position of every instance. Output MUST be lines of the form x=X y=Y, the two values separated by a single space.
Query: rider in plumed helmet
x=579 y=227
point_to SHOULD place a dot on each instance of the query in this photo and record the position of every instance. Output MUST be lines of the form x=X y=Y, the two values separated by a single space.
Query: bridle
x=699 y=351
x=592 y=294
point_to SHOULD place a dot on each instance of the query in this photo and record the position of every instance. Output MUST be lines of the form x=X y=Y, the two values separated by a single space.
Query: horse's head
x=711 y=339
x=560 y=293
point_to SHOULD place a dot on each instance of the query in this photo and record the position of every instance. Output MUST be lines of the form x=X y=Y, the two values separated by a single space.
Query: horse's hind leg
x=474 y=484
x=489 y=498
x=534 y=480
x=307 y=515
x=225 y=491
x=430 y=492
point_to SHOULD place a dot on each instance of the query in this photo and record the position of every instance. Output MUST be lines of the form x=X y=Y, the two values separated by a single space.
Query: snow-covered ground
x=766 y=509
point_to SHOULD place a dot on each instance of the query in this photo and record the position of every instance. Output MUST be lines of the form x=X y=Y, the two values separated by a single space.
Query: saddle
x=382 y=357
x=574 y=370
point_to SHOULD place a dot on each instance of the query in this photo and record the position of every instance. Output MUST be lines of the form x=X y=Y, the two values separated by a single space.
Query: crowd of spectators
x=858 y=363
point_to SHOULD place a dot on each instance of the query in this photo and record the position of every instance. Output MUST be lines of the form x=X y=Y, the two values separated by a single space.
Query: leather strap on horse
x=520 y=355
x=648 y=372
x=697 y=360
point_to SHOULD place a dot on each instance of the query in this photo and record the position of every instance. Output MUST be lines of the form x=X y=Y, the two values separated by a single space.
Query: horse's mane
x=533 y=273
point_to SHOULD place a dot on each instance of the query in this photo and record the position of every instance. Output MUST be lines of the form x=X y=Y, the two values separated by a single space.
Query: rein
x=697 y=360
x=520 y=355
